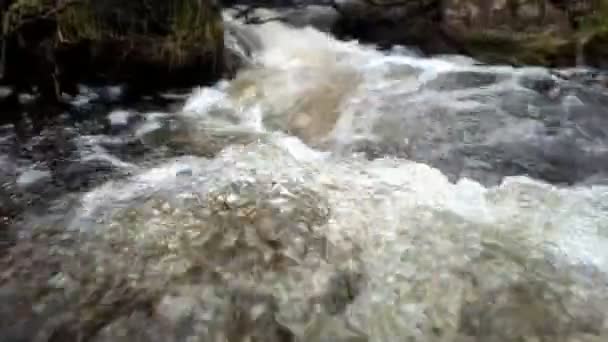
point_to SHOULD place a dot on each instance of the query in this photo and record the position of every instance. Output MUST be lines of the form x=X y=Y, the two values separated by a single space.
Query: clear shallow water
x=332 y=192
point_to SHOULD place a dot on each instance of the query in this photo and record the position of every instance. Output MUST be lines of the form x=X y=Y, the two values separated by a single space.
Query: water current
x=329 y=192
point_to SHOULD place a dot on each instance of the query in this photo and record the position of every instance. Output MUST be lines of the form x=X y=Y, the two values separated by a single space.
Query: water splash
x=323 y=198
x=421 y=246
x=469 y=120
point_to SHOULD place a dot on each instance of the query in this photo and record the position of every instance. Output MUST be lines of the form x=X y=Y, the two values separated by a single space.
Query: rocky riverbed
x=325 y=190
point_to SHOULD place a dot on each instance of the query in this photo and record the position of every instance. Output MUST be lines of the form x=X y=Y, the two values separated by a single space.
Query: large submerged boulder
x=54 y=44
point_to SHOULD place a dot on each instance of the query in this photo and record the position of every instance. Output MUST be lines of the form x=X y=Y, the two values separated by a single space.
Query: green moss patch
x=522 y=49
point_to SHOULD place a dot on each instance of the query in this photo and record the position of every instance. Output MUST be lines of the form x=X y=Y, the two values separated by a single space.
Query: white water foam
x=418 y=234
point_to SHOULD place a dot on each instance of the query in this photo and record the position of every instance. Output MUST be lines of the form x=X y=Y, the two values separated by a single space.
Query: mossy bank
x=552 y=33
x=151 y=44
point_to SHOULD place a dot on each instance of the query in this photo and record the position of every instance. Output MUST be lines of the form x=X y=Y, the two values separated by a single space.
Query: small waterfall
x=241 y=42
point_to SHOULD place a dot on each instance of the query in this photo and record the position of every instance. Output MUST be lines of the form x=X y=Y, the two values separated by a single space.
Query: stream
x=329 y=192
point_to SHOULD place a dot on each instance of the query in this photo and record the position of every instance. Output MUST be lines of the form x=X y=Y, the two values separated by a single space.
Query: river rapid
x=329 y=192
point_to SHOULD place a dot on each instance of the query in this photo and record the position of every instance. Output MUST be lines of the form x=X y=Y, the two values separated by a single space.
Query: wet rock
x=504 y=32
x=588 y=77
x=474 y=14
x=119 y=120
x=25 y=98
x=323 y=18
x=5 y=92
x=462 y=80
x=154 y=124
x=543 y=83
x=8 y=189
x=520 y=49
x=119 y=117
x=522 y=32
x=320 y=16
x=387 y=23
x=514 y=32
x=112 y=93
x=33 y=177
x=85 y=174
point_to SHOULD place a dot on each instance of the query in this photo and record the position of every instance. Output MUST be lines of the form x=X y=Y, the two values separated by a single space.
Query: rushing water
x=330 y=192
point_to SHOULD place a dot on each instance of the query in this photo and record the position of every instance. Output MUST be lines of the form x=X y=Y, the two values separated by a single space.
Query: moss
x=595 y=49
x=78 y=22
x=552 y=49
x=148 y=44
x=174 y=32
x=24 y=8
x=596 y=21
x=522 y=49
x=195 y=28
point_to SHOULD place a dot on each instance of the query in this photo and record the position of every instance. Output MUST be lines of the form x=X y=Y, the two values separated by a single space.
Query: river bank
x=53 y=45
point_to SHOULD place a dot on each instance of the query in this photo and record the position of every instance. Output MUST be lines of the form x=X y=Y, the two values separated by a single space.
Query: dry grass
x=174 y=31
